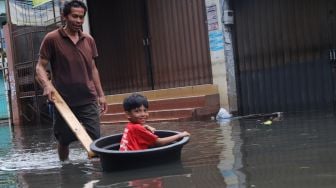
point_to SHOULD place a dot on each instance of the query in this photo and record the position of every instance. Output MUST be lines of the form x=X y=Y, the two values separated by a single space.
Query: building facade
x=264 y=56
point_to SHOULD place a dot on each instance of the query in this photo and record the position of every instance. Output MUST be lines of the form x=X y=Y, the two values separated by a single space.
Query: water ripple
x=17 y=160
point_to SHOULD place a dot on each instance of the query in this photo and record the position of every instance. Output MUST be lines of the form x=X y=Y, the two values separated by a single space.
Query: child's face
x=138 y=115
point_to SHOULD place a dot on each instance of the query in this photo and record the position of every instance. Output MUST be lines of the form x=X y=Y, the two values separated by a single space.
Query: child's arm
x=169 y=139
x=151 y=129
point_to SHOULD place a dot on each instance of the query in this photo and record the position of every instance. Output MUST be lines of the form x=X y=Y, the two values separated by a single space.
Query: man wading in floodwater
x=71 y=54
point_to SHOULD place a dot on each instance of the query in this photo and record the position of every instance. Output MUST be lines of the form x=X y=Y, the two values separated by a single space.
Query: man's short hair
x=73 y=4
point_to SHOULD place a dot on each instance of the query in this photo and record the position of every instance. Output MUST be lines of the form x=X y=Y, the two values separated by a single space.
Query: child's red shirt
x=136 y=137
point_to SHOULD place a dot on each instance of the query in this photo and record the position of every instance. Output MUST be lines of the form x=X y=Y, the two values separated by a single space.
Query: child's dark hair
x=135 y=101
x=73 y=4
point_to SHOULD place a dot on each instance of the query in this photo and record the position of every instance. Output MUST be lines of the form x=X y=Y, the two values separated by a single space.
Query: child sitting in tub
x=137 y=135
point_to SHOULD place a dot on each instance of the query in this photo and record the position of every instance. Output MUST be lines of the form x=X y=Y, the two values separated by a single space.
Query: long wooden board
x=73 y=123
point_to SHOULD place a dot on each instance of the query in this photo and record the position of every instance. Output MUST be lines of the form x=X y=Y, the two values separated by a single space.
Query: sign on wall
x=216 y=38
x=39 y=2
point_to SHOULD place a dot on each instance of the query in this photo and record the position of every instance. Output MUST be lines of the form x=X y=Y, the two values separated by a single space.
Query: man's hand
x=49 y=91
x=102 y=104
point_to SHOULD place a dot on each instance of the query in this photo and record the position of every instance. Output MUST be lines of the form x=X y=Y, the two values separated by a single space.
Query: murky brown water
x=295 y=152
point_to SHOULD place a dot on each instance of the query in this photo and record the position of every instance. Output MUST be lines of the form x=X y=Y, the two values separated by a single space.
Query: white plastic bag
x=223 y=114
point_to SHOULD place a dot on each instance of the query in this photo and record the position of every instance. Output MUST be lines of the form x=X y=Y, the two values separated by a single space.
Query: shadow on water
x=297 y=151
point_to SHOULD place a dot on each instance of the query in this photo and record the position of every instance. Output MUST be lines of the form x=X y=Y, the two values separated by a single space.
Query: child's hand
x=183 y=134
x=151 y=129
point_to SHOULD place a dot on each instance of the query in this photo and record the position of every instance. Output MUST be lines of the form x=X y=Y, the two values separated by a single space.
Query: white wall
x=216 y=43
x=221 y=53
x=86 y=25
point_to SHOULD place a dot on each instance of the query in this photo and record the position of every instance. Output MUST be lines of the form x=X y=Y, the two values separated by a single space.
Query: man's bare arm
x=42 y=78
x=99 y=89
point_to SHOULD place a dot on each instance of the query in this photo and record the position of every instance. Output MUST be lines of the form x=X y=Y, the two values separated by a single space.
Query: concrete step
x=124 y=121
x=175 y=104
x=206 y=89
x=157 y=114
x=172 y=103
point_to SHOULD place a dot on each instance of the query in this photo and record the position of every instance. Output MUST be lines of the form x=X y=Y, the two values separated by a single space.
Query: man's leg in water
x=63 y=152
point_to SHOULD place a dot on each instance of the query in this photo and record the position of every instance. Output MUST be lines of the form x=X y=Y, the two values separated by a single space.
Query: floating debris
x=268 y=122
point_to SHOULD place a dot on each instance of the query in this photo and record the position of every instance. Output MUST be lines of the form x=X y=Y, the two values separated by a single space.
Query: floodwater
x=297 y=150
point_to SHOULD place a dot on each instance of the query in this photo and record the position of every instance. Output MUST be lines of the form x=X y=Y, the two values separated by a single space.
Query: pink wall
x=14 y=99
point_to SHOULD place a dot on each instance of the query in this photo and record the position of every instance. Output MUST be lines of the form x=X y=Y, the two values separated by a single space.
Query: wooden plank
x=73 y=123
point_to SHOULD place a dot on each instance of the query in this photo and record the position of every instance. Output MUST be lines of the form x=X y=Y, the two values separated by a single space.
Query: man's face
x=138 y=115
x=75 y=19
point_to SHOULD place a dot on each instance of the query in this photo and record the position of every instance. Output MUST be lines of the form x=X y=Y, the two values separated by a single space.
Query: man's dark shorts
x=87 y=114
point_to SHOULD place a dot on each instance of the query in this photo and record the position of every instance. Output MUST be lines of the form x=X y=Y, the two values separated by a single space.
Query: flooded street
x=297 y=151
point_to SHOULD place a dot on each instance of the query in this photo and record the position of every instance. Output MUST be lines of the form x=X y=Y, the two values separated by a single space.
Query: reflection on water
x=7 y=179
x=33 y=148
x=295 y=152
x=33 y=159
x=5 y=139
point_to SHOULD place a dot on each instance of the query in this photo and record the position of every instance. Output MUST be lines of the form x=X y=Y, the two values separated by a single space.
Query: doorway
x=150 y=44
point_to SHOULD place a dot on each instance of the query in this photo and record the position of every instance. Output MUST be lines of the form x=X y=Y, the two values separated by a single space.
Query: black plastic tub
x=112 y=159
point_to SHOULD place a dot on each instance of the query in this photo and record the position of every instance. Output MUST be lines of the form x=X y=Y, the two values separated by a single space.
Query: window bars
x=23 y=13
